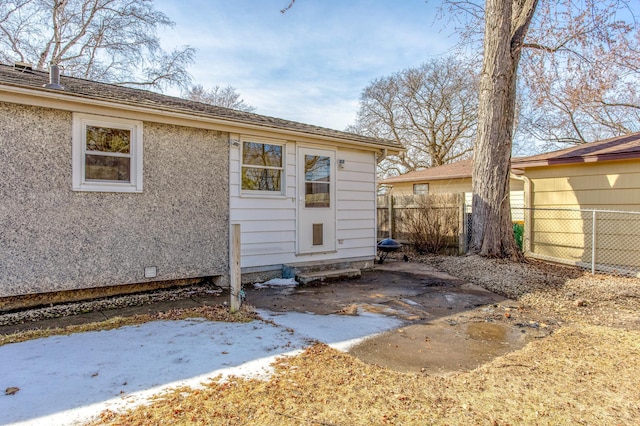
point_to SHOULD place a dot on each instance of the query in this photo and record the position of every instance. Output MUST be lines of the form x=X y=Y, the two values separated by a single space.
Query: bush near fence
x=596 y=240
x=429 y=223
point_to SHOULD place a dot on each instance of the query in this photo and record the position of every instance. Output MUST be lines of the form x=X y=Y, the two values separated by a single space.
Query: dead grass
x=586 y=372
x=576 y=376
x=213 y=313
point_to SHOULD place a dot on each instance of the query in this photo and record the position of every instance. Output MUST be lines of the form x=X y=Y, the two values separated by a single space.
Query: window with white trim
x=107 y=154
x=420 y=189
x=262 y=167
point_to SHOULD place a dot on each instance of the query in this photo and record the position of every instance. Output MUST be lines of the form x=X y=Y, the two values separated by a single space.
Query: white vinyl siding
x=268 y=224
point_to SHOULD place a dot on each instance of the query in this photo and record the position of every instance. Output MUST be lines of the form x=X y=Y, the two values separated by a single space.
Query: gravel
x=116 y=302
x=565 y=293
x=552 y=291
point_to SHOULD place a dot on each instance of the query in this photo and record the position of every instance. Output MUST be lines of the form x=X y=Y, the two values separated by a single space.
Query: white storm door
x=316 y=201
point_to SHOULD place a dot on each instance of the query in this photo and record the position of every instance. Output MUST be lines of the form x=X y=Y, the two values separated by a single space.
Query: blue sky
x=311 y=63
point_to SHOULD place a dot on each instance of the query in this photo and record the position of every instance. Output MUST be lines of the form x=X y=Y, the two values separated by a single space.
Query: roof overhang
x=79 y=103
x=616 y=156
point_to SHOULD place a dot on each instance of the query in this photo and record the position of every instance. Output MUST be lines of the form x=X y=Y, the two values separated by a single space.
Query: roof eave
x=237 y=125
x=616 y=156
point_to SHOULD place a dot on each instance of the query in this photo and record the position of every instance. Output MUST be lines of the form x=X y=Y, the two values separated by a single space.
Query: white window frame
x=282 y=168
x=80 y=123
x=423 y=185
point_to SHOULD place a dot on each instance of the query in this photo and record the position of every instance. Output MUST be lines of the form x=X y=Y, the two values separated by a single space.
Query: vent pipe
x=54 y=78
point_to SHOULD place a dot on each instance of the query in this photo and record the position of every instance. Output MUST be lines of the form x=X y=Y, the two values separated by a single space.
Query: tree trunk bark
x=506 y=22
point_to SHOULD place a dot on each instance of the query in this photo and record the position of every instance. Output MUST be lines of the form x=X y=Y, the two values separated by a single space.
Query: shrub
x=431 y=224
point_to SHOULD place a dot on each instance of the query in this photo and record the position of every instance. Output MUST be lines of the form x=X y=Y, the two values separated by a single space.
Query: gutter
x=53 y=99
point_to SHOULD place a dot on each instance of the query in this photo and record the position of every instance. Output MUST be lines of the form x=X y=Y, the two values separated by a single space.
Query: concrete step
x=292 y=270
x=331 y=274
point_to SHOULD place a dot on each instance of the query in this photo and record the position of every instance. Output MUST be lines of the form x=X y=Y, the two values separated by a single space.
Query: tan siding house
x=454 y=178
x=603 y=176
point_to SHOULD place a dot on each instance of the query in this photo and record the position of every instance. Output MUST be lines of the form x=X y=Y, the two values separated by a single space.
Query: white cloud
x=309 y=64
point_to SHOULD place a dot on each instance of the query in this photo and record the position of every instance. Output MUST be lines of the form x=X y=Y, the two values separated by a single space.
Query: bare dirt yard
x=581 y=365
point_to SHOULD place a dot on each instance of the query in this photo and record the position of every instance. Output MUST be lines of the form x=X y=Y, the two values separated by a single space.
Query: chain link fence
x=597 y=240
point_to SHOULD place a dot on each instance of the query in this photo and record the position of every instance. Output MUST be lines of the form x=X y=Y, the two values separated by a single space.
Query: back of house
x=108 y=189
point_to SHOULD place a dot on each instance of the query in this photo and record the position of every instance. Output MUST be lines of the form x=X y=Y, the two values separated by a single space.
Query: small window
x=107 y=154
x=262 y=167
x=317 y=180
x=420 y=189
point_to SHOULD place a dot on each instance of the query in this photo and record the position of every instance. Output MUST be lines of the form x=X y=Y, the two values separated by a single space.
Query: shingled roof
x=25 y=77
x=619 y=148
x=458 y=170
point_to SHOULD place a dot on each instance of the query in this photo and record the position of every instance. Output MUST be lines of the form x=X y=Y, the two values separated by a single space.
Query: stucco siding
x=55 y=239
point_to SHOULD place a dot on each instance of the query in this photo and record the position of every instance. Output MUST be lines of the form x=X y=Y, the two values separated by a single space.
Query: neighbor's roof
x=457 y=170
x=14 y=78
x=619 y=148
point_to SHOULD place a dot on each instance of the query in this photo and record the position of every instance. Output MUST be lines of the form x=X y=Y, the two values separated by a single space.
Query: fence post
x=392 y=222
x=462 y=233
x=235 y=274
x=593 y=243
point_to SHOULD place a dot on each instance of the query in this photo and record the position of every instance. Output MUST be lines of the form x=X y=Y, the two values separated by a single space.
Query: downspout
x=526 y=244
x=382 y=155
x=379 y=157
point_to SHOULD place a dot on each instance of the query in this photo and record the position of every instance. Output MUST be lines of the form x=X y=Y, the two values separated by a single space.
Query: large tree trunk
x=506 y=23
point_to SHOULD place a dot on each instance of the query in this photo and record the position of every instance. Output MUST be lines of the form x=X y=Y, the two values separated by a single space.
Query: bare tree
x=506 y=25
x=220 y=96
x=431 y=110
x=581 y=71
x=104 y=40
x=580 y=68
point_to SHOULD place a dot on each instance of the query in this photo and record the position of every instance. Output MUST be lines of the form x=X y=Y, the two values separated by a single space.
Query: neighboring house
x=602 y=175
x=448 y=178
x=107 y=189
x=598 y=175
x=556 y=188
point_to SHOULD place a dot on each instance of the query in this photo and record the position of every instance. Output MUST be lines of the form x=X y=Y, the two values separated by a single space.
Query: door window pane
x=317 y=168
x=317 y=195
x=317 y=176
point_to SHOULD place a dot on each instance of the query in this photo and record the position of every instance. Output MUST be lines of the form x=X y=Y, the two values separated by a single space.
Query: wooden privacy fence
x=429 y=223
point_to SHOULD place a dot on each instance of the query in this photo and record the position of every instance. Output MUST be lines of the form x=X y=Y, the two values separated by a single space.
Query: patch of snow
x=277 y=282
x=70 y=379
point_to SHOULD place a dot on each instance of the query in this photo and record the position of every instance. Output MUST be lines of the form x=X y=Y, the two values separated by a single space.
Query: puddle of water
x=440 y=348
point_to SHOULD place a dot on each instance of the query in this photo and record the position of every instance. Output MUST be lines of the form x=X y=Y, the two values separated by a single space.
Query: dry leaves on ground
x=564 y=379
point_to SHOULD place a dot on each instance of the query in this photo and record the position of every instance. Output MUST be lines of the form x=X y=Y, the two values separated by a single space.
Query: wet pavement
x=450 y=325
